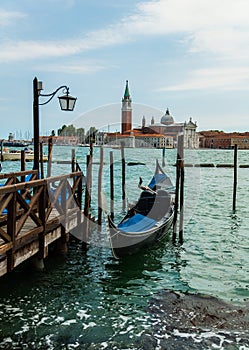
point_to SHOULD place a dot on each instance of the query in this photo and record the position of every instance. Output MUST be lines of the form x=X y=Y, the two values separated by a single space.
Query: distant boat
x=16 y=143
x=15 y=154
x=135 y=163
x=83 y=145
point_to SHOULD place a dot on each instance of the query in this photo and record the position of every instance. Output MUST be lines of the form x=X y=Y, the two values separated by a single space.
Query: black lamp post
x=67 y=103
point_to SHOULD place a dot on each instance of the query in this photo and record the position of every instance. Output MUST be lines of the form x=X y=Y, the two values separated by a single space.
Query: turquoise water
x=92 y=301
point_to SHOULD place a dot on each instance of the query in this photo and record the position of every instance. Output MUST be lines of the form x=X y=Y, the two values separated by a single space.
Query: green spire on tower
x=127 y=92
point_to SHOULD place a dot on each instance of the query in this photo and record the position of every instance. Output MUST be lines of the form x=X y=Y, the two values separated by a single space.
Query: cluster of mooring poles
x=88 y=191
x=179 y=188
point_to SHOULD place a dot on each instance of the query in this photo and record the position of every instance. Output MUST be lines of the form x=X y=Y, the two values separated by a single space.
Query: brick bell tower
x=126 y=111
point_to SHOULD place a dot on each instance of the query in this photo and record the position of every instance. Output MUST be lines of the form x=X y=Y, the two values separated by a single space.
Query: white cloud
x=217 y=27
x=73 y=67
x=225 y=78
x=6 y=17
x=23 y=50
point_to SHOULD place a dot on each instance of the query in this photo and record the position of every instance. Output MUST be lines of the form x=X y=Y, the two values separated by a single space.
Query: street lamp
x=66 y=101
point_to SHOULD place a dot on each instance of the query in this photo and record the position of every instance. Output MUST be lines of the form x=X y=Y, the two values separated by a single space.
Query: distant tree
x=80 y=133
x=90 y=135
x=52 y=133
x=61 y=130
x=70 y=130
x=65 y=130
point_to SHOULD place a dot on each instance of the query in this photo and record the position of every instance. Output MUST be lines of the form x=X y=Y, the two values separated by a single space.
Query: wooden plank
x=5 y=202
x=28 y=237
x=11 y=230
x=52 y=236
x=5 y=247
x=26 y=252
x=4 y=235
x=29 y=213
x=17 y=173
x=3 y=267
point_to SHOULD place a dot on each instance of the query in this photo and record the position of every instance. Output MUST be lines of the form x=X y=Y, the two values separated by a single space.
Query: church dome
x=167 y=118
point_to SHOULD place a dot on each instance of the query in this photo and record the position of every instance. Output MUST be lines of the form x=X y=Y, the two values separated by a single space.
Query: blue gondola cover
x=137 y=223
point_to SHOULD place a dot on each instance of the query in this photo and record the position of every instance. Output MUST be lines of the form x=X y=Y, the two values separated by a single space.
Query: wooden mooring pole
x=163 y=157
x=23 y=164
x=41 y=161
x=179 y=189
x=123 y=176
x=87 y=204
x=176 y=198
x=111 y=186
x=73 y=160
x=1 y=159
x=235 y=176
x=50 y=148
x=100 y=209
x=181 y=150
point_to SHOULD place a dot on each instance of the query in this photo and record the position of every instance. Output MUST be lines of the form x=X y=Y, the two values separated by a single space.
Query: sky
x=191 y=56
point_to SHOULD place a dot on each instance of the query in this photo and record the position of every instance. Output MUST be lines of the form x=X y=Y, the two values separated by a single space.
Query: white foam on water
x=25 y=328
x=128 y=329
x=44 y=321
x=91 y=324
x=59 y=319
x=68 y=322
x=83 y=314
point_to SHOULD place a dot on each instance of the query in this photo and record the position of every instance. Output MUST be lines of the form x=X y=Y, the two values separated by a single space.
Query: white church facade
x=159 y=135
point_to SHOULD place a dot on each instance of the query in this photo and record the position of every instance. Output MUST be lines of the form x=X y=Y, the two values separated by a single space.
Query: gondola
x=148 y=220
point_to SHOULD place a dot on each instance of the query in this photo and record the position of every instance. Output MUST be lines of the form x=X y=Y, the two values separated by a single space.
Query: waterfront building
x=159 y=135
x=168 y=126
x=135 y=139
x=60 y=140
x=220 y=140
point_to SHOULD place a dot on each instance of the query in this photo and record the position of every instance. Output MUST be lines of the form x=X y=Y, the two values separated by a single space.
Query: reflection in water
x=87 y=297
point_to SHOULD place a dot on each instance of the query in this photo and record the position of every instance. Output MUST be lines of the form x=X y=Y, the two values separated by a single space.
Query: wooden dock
x=35 y=213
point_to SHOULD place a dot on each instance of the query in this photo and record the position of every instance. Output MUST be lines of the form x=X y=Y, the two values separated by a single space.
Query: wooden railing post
x=64 y=234
x=79 y=198
x=42 y=215
x=11 y=230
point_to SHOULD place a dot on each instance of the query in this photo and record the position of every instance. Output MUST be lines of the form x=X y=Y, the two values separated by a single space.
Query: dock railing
x=35 y=213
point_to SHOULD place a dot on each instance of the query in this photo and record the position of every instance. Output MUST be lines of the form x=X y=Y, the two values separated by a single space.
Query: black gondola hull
x=127 y=243
x=148 y=221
